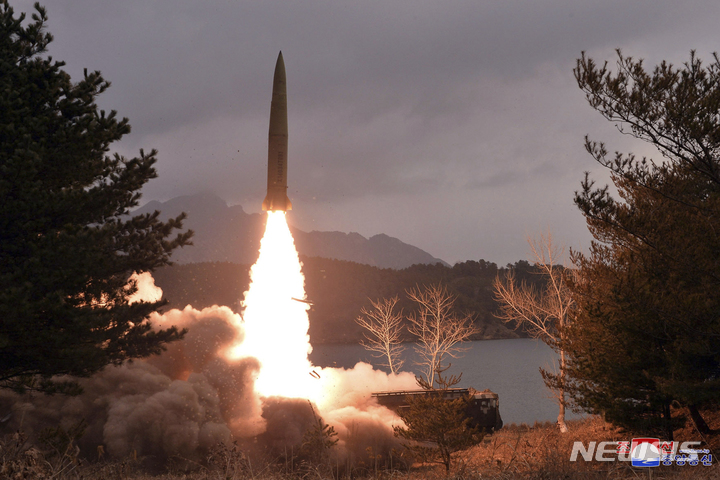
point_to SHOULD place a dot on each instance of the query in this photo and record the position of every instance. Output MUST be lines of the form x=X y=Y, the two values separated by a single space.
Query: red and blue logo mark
x=646 y=452
x=652 y=452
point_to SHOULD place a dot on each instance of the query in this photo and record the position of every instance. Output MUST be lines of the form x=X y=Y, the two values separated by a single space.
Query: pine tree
x=647 y=334
x=67 y=246
x=437 y=427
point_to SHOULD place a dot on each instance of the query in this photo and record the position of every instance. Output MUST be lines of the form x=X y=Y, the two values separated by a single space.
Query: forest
x=338 y=290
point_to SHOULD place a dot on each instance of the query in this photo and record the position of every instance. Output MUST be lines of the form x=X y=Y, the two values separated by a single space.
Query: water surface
x=509 y=368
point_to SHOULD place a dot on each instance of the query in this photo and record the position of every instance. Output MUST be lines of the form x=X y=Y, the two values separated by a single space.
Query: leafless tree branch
x=439 y=330
x=383 y=331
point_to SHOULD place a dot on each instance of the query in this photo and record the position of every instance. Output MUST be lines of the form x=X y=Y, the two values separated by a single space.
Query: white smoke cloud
x=179 y=403
x=147 y=291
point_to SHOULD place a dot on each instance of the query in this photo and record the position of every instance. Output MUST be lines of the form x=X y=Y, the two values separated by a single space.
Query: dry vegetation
x=516 y=452
x=542 y=452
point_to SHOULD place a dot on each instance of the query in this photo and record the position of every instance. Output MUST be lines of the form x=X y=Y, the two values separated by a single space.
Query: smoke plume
x=190 y=398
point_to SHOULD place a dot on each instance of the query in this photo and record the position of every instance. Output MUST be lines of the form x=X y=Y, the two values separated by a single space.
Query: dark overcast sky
x=456 y=126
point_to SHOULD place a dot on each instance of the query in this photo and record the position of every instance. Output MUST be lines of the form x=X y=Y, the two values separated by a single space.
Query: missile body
x=277 y=198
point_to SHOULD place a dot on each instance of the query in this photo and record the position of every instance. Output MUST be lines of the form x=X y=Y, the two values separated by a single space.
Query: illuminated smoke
x=146 y=289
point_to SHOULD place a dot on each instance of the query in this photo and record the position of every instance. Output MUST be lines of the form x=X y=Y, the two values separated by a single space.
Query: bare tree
x=544 y=314
x=383 y=329
x=439 y=330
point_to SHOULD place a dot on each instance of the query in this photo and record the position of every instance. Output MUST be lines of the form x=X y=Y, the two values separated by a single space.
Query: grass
x=520 y=451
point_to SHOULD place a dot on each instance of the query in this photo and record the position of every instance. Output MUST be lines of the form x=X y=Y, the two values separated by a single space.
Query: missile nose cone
x=279 y=71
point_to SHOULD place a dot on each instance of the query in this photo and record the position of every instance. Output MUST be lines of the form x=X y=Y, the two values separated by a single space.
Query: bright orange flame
x=275 y=324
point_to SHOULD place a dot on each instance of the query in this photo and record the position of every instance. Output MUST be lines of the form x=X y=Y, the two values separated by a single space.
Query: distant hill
x=228 y=234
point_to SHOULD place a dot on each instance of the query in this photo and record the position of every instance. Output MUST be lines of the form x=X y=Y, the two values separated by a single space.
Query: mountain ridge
x=228 y=234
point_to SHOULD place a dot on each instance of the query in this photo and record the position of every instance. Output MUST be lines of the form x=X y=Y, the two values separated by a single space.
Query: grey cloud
x=385 y=98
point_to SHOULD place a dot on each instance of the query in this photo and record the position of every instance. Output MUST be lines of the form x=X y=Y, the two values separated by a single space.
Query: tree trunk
x=561 y=394
x=446 y=456
x=667 y=416
x=698 y=420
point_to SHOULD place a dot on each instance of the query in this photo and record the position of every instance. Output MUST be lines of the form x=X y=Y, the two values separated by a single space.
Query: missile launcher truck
x=484 y=409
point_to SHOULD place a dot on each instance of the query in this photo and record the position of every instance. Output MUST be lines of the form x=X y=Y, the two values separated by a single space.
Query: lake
x=507 y=367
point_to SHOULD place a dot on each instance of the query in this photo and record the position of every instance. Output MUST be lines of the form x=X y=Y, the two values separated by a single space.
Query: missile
x=277 y=198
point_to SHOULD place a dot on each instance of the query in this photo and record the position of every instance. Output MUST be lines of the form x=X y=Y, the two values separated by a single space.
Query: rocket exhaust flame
x=275 y=324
